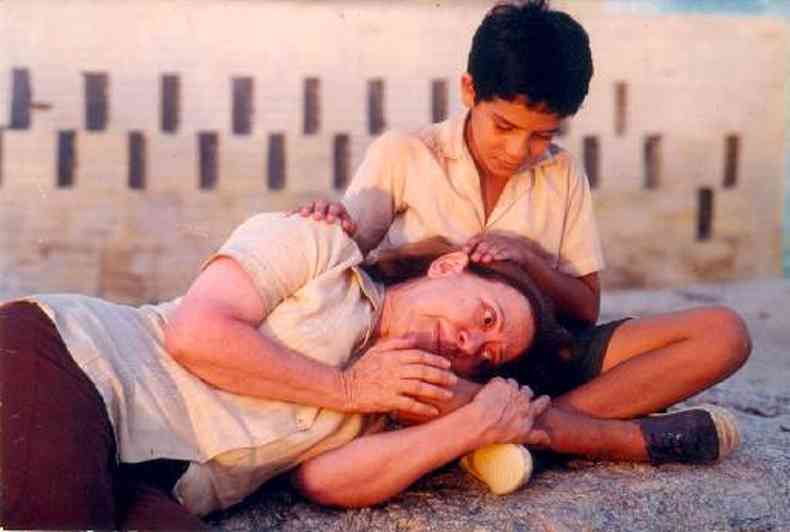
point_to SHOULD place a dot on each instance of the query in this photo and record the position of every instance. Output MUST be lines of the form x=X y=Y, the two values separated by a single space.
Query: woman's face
x=474 y=322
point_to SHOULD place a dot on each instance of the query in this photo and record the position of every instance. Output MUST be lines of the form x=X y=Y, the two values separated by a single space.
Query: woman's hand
x=394 y=375
x=510 y=413
x=328 y=211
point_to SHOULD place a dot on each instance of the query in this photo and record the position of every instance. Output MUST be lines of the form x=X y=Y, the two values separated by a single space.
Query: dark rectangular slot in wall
x=439 y=100
x=21 y=99
x=67 y=158
x=137 y=160
x=342 y=161
x=243 y=91
x=732 y=151
x=1 y=157
x=275 y=165
x=620 y=107
x=97 y=85
x=704 y=213
x=592 y=160
x=652 y=161
x=376 y=121
x=208 y=148
x=170 y=106
x=312 y=106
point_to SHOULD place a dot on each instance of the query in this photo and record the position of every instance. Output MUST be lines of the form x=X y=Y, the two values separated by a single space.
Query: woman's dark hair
x=526 y=49
x=550 y=340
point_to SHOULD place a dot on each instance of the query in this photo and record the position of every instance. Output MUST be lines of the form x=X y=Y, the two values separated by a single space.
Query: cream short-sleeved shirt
x=320 y=305
x=414 y=186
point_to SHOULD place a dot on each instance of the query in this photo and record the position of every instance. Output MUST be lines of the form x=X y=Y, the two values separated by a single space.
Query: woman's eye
x=489 y=318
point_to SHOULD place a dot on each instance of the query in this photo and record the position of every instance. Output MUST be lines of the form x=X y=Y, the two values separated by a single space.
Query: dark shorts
x=555 y=374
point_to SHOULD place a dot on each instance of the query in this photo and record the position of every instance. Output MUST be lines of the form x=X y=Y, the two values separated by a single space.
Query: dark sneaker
x=699 y=435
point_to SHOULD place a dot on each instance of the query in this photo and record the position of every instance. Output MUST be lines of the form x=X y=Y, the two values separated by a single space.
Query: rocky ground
x=750 y=490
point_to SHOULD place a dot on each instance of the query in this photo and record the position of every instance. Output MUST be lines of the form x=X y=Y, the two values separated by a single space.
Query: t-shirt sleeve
x=375 y=194
x=581 y=252
x=281 y=254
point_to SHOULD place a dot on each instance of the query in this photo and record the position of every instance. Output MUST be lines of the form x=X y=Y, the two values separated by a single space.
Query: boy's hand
x=489 y=247
x=328 y=211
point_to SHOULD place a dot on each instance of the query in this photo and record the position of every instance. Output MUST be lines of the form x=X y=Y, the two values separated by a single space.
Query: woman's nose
x=470 y=341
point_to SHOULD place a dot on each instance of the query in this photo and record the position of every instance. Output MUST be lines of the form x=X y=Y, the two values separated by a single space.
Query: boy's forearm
x=577 y=298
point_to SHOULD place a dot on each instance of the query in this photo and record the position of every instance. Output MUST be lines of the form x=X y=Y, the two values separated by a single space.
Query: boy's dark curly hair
x=526 y=49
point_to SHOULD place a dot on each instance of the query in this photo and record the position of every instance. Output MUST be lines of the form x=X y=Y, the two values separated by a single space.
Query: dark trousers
x=57 y=448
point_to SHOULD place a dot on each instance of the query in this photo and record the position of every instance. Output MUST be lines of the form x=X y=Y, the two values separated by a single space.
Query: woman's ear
x=449 y=264
x=468 y=90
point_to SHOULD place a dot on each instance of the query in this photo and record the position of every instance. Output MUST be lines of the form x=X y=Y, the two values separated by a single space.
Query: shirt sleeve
x=375 y=194
x=281 y=254
x=581 y=252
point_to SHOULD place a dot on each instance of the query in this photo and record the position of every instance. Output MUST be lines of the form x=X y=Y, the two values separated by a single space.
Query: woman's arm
x=214 y=334
x=374 y=468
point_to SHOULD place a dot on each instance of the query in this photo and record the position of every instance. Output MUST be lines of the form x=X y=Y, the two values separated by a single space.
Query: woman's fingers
x=421 y=372
x=412 y=406
x=416 y=356
x=423 y=390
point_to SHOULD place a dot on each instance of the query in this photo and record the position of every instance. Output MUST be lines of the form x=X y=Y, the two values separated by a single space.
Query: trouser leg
x=150 y=508
x=58 y=450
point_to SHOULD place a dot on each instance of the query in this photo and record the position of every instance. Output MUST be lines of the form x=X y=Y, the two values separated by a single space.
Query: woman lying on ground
x=126 y=417
x=252 y=373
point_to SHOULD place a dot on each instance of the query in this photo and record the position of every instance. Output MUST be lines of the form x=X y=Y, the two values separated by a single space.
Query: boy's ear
x=468 y=90
x=449 y=264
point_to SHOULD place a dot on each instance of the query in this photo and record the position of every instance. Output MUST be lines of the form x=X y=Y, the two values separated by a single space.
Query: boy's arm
x=373 y=197
x=375 y=194
x=575 y=298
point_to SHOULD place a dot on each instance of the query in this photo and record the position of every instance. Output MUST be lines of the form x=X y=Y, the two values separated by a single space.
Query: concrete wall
x=690 y=79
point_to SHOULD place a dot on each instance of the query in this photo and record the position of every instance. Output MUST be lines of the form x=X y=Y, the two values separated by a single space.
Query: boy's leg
x=654 y=362
x=58 y=449
x=697 y=435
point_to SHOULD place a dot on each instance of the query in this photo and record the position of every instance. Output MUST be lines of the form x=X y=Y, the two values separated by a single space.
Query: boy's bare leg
x=655 y=362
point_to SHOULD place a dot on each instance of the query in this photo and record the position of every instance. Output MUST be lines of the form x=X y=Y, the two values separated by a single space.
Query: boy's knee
x=728 y=329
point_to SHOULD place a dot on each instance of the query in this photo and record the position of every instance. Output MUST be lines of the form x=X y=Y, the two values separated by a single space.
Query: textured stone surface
x=750 y=490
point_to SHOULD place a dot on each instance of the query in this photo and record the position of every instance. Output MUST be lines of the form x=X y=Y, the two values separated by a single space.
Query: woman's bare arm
x=374 y=468
x=214 y=334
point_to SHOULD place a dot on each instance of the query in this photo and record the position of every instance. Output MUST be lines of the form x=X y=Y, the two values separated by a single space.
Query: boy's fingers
x=319 y=210
x=307 y=210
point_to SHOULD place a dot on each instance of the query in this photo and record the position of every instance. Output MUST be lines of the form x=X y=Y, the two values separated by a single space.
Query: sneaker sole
x=726 y=428
x=503 y=467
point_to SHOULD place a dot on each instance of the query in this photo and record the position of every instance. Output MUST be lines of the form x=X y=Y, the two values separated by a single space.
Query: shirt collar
x=453 y=144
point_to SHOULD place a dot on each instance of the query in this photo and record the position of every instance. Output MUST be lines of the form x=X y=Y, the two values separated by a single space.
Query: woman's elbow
x=317 y=489
x=182 y=336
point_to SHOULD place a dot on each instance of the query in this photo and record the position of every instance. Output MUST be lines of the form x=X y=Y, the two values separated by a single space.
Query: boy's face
x=503 y=136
